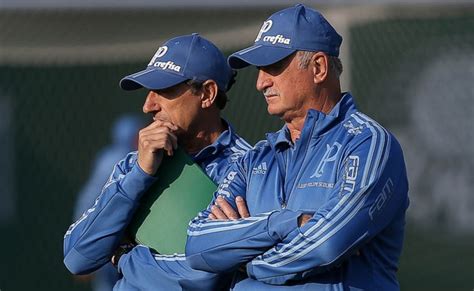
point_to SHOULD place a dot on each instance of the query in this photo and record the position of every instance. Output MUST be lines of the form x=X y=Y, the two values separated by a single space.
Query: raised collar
x=315 y=124
x=223 y=141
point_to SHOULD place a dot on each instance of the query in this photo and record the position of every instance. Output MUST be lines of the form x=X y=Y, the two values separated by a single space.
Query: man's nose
x=263 y=80
x=151 y=103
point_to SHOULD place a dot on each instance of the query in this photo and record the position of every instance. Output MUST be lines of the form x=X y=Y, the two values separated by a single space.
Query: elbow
x=78 y=264
x=194 y=250
x=203 y=260
x=194 y=256
x=209 y=261
x=191 y=248
x=197 y=262
x=74 y=267
x=204 y=254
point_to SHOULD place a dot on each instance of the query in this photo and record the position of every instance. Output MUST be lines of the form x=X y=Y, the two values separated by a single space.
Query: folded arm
x=223 y=245
x=370 y=191
x=91 y=240
x=146 y=270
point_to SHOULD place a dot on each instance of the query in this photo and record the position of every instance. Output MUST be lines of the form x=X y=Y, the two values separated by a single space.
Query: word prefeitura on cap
x=298 y=28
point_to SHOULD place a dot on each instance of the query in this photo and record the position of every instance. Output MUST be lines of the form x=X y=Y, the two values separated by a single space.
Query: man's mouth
x=270 y=94
x=269 y=97
x=160 y=118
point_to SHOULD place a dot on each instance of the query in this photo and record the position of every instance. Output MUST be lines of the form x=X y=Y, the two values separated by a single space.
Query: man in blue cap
x=326 y=194
x=187 y=80
x=124 y=136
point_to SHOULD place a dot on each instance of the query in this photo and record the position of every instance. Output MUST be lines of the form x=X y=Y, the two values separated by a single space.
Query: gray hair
x=335 y=64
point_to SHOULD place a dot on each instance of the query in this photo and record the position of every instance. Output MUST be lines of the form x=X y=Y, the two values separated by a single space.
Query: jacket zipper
x=300 y=171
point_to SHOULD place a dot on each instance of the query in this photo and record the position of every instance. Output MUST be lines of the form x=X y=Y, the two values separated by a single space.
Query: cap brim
x=151 y=79
x=258 y=55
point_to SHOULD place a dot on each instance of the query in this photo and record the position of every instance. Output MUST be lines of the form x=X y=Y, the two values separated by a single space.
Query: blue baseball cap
x=285 y=32
x=188 y=57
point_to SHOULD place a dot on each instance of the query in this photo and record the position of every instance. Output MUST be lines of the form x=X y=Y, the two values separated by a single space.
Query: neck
x=295 y=127
x=324 y=103
x=196 y=140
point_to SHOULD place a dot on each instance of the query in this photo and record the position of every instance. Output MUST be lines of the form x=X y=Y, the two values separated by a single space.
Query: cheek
x=185 y=113
x=287 y=91
x=166 y=114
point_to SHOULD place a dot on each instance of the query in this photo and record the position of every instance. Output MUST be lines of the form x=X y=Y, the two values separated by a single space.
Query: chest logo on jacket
x=260 y=169
x=351 y=129
x=329 y=157
x=234 y=157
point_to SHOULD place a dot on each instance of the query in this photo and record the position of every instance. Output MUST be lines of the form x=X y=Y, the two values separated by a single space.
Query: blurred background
x=409 y=64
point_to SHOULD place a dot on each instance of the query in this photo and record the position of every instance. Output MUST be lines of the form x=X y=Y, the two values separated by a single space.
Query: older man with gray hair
x=326 y=194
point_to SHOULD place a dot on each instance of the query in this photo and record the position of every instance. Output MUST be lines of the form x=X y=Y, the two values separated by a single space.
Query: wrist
x=146 y=169
x=120 y=251
x=281 y=223
x=151 y=163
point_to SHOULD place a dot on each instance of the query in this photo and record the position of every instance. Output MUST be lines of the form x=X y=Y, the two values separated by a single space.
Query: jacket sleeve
x=222 y=246
x=91 y=240
x=370 y=191
x=146 y=270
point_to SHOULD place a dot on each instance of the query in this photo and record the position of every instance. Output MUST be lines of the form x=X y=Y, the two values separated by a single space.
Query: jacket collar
x=223 y=141
x=316 y=123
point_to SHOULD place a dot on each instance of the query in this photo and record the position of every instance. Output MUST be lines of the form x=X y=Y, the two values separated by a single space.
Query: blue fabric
x=124 y=136
x=91 y=240
x=286 y=31
x=348 y=173
x=187 y=57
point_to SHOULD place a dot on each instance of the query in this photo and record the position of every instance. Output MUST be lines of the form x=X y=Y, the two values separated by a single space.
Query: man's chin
x=273 y=111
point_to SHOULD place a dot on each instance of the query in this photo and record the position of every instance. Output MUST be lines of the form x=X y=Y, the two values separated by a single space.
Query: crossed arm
x=224 y=211
x=91 y=241
x=286 y=245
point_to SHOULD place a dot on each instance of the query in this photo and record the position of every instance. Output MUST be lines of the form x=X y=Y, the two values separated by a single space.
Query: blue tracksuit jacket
x=348 y=172
x=90 y=241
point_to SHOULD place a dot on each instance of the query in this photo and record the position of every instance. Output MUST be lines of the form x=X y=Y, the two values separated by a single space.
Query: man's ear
x=320 y=66
x=208 y=93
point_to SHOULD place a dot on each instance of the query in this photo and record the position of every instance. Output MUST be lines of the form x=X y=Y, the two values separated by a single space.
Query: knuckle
x=158 y=122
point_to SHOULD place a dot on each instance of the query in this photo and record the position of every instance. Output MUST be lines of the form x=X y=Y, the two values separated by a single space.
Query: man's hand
x=303 y=219
x=153 y=141
x=223 y=210
x=121 y=250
